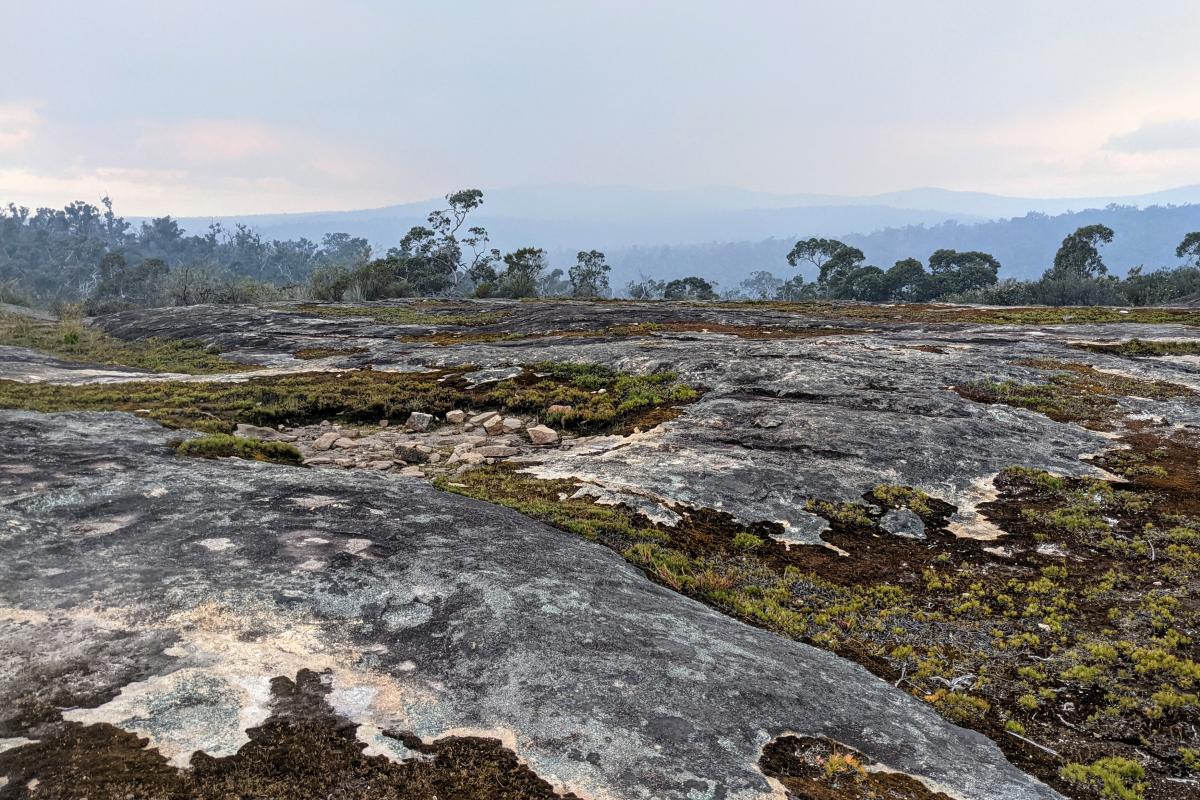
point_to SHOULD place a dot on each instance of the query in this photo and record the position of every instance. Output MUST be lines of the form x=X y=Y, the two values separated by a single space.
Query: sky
x=198 y=108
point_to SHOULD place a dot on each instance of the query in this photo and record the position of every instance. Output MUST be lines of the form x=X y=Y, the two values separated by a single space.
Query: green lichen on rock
x=72 y=340
x=362 y=396
x=222 y=445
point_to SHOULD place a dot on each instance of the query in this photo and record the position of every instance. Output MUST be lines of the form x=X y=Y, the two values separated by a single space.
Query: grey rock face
x=434 y=613
x=782 y=420
x=903 y=522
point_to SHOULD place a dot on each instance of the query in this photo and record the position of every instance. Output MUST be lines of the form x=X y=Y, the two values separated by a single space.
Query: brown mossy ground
x=635 y=329
x=818 y=769
x=222 y=445
x=422 y=313
x=1141 y=348
x=304 y=750
x=71 y=340
x=599 y=398
x=1071 y=638
x=1017 y=315
x=1073 y=392
x=312 y=353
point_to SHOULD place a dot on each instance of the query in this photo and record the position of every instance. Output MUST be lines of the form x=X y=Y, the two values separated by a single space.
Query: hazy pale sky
x=238 y=107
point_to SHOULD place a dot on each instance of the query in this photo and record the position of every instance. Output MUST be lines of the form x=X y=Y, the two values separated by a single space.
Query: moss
x=221 y=445
x=1114 y=777
x=1136 y=348
x=359 y=396
x=311 y=353
x=413 y=314
x=71 y=340
x=849 y=514
x=919 y=312
x=1073 y=393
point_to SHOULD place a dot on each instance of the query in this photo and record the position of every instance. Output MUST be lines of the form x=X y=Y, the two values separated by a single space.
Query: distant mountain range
x=721 y=233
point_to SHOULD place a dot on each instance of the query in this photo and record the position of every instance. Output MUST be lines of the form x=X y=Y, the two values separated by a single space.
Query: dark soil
x=303 y=751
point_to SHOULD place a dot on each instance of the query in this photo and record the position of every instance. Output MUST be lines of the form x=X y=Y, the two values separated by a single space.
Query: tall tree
x=689 y=288
x=834 y=260
x=522 y=268
x=907 y=280
x=1189 y=248
x=1079 y=254
x=952 y=271
x=589 y=276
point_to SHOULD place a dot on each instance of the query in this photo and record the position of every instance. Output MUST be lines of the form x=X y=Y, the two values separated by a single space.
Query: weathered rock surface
x=193 y=583
x=782 y=420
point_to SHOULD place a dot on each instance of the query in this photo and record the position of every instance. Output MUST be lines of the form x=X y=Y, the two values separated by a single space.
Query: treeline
x=84 y=253
x=88 y=254
x=1078 y=276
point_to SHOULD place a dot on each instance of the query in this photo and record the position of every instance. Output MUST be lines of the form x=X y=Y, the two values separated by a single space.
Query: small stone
x=559 y=408
x=903 y=522
x=383 y=423
x=493 y=425
x=412 y=472
x=540 y=434
x=512 y=424
x=479 y=419
x=325 y=441
x=424 y=448
x=472 y=458
x=456 y=416
x=381 y=465
x=435 y=458
x=258 y=432
x=410 y=455
x=497 y=451
x=468 y=427
x=317 y=461
x=418 y=421
x=344 y=443
x=344 y=462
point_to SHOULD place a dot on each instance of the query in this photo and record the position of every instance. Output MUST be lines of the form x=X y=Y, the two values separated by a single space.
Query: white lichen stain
x=217 y=545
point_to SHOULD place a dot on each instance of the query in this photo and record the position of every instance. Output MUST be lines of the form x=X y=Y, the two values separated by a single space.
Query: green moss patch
x=1073 y=392
x=69 y=339
x=222 y=445
x=1140 y=348
x=312 y=353
x=600 y=399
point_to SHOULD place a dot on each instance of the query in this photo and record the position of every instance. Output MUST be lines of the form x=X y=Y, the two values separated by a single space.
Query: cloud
x=1179 y=134
x=17 y=126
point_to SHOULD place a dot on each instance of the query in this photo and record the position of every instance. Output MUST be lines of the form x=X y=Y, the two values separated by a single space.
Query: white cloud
x=1178 y=134
x=18 y=124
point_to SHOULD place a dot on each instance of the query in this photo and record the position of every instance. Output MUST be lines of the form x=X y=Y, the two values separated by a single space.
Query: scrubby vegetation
x=222 y=445
x=1072 y=644
x=598 y=398
x=70 y=339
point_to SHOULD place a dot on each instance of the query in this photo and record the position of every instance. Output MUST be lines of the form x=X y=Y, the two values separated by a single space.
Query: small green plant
x=746 y=541
x=1114 y=777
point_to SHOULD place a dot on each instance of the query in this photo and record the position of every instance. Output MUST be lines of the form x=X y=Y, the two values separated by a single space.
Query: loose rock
x=541 y=434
